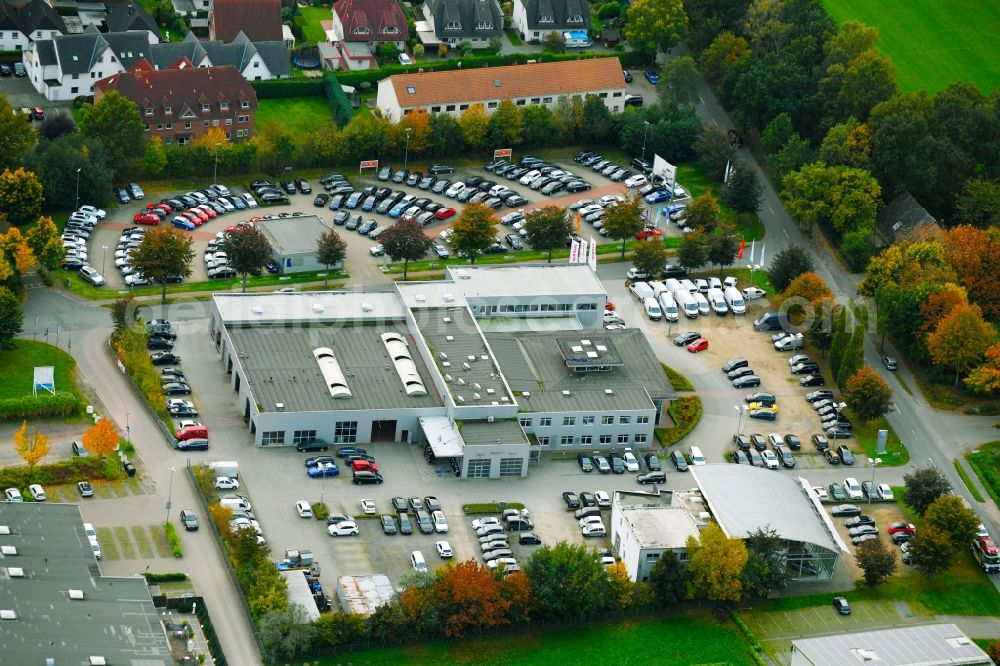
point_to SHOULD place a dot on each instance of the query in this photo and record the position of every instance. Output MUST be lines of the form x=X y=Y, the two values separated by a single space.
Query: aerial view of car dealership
x=528 y=332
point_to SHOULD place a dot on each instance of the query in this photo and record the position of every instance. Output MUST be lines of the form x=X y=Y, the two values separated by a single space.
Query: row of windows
x=607 y=419
x=242 y=119
x=344 y=432
x=271 y=437
x=205 y=108
x=587 y=440
x=548 y=18
x=387 y=30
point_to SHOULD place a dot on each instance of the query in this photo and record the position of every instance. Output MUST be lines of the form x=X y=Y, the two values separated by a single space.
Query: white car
x=368 y=507
x=251 y=202
x=376 y=250
x=530 y=176
x=610 y=200
x=440 y=522
x=13 y=495
x=636 y=181
x=607 y=560
x=821 y=493
x=96 y=548
x=770 y=460
x=303 y=509
x=885 y=492
x=226 y=483
x=91 y=276
x=99 y=213
x=590 y=208
x=853 y=488
x=444 y=549
x=594 y=530
x=753 y=293
x=483 y=522
x=454 y=190
x=345 y=528
x=580 y=204
x=603 y=499
x=37 y=492
x=631 y=463
x=507 y=562
x=591 y=520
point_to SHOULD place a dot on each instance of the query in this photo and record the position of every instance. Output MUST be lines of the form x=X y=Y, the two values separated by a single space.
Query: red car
x=165 y=207
x=147 y=218
x=207 y=211
x=196 y=217
x=364 y=466
x=698 y=345
x=444 y=213
x=901 y=527
x=648 y=233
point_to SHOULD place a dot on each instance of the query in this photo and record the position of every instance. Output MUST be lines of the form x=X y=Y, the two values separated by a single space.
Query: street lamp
x=215 y=174
x=128 y=430
x=170 y=493
x=752 y=268
x=874 y=462
x=78 y=188
x=406 y=154
x=104 y=258
x=645 y=128
x=740 y=411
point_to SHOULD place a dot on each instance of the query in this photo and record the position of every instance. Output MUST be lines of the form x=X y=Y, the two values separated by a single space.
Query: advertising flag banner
x=573 y=250
x=743 y=245
x=581 y=257
x=762 y=248
x=664 y=169
x=593 y=255
x=753 y=244
x=579 y=221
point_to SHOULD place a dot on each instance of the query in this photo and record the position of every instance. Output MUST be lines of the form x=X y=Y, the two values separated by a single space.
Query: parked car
x=837 y=492
x=845 y=510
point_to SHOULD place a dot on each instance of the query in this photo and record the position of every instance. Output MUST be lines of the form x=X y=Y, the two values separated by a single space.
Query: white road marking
x=701 y=99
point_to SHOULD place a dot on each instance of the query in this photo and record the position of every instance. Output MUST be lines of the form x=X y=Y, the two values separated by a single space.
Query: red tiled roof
x=259 y=20
x=181 y=88
x=376 y=15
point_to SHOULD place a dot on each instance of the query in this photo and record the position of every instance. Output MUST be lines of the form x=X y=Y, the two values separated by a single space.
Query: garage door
x=511 y=467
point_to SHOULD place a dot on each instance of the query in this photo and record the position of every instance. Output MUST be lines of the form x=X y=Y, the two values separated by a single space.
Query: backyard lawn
x=682 y=639
x=309 y=19
x=932 y=43
x=17 y=366
x=299 y=114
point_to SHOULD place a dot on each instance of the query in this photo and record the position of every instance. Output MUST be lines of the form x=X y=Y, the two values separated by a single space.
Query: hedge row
x=343 y=111
x=176 y=577
x=204 y=618
x=61 y=403
x=295 y=87
x=685 y=412
x=70 y=471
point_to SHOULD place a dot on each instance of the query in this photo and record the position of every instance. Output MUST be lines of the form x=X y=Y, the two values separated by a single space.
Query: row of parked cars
x=126 y=193
x=195 y=208
x=75 y=235
x=364 y=469
x=494 y=541
x=539 y=175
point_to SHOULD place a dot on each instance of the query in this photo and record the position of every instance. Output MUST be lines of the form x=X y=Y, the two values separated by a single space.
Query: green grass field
x=299 y=114
x=16 y=366
x=932 y=43
x=683 y=639
x=309 y=19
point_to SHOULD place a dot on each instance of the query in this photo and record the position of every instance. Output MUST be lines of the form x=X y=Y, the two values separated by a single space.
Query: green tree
x=703 y=213
x=649 y=256
x=474 y=231
x=475 y=126
x=931 y=551
x=742 y=192
x=504 y=130
x=765 y=568
x=11 y=318
x=57 y=162
x=537 y=125
x=693 y=250
x=867 y=394
x=553 y=42
x=847 y=144
x=923 y=486
x=978 y=204
x=154 y=159
x=949 y=514
x=623 y=220
x=714 y=151
x=851 y=90
x=548 y=228
x=446 y=134
x=330 y=251
x=123 y=312
x=875 y=560
x=568 y=581
x=679 y=81
x=339 y=628
x=287 y=632
x=853 y=359
x=16 y=135
x=652 y=26
x=787 y=265
x=164 y=252
x=903 y=148
x=56 y=124
x=115 y=122
x=777 y=133
x=960 y=339
x=839 y=339
x=598 y=123
x=20 y=196
x=716 y=564
x=724 y=53
x=842 y=198
x=43 y=238
x=247 y=250
x=405 y=241
x=791 y=156
x=722 y=249
x=669 y=579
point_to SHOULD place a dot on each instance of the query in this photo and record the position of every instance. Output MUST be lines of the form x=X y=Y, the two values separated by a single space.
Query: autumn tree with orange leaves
x=468 y=596
x=32 y=449
x=974 y=254
x=101 y=438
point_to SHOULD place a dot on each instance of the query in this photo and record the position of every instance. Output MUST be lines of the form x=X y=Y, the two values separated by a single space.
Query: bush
x=686 y=412
x=173 y=539
x=130 y=345
x=677 y=380
x=320 y=511
x=343 y=111
x=177 y=577
x=67 y=472
x=35 y=406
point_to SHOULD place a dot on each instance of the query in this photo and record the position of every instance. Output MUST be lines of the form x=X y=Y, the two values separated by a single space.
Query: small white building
x=65 y=67
x=25 y=22
x=294 y=241
x=534 y=19
x=646 y=525
x=362 y=595
x=531 y=84
x=920 y=645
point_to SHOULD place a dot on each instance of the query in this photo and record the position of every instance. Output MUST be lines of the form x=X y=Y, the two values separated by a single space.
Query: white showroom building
x=486 y=368
x=646 y=525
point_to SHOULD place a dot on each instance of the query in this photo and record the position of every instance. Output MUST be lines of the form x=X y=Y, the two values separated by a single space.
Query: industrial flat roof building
x=401 y=364
x=56 y=603
x=646 y=525
x=921 y=645
x=293 y=241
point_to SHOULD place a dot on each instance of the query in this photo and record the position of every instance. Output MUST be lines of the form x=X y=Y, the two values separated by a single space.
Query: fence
x=184 y=605
x=171 y=440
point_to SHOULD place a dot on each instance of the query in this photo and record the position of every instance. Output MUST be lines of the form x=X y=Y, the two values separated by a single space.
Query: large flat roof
x=743 y=498
x=533 y=362
x=296 y=234
x=499 y=431
x=654 y=522
x=532 y=280
x=310 y=307
x=115 y=619
x=280 y=367
x=922 y=645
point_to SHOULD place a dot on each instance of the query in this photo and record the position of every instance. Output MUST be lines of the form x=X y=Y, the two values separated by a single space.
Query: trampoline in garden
x=305 y=62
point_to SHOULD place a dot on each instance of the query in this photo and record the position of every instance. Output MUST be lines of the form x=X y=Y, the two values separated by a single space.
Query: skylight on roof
x=411 y=90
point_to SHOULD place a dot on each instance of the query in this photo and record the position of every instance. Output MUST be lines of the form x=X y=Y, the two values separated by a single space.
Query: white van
x=417 y=561
x=641 y=290
x=652 y=307
x=687 y=304
x=703 y=308
x=672 y=284
x=669 y=306
x=229 y=468
x=735 y=300
x=691 y=287
x=235 y=504
x=718 y=302
x=658 y=288
x=697 y=457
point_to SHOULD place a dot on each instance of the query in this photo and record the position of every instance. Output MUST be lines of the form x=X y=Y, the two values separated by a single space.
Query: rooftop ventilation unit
x=504 y=399
x=446 y=320
x=577 y=349
x=367 y=307
x=399 y=352
x=461 y=382
x=279 y=406
x=442 y=356
x=76 y=594
x=477 y=397
x=317 y=307
x=447 y=378
x=445 y=364
x=448 y=298
x=566 y=394
x=601 y=348
x=484 y=357
x=98 y=661
x=609 y=392
x=464 y=275
x=8 y=550
x=15 y=572
x=490 y=391
x=591 y=354
x=466 y=366
x=8 y=615
x=419 y=298
x=489 y=419
x=585 y=343
x=332 y=374
x=525 y=394
x=471 y=358
x=257 y=310
x=4 y=529
x=449 y=338
x=477 y=387
x=459 y=399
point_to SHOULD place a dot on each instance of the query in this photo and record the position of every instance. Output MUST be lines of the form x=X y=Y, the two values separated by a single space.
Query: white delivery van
x=652 y=308
x=641 y=290
x=697 y=457
x=718 y=302
x=229 y=468
x=735 y=300
x=672 y=284
x=687 y=304
x=657 y=287
x=669 y=306
x=235 y=503
x=703 y=308
x=690 y=286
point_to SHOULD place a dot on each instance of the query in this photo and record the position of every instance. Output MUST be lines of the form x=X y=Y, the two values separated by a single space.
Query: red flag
x=743 y=245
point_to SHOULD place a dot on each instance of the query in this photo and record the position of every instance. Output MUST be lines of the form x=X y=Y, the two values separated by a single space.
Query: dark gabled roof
x=275 y=56
x=77 y=54
x=469 y=14
x=376 y=15
x=237 y=55
x=184 y=87
x=902 y=217
x=259 y=19
x=130 y=47
x=46 y=50
x=165 y=54
x=124 y=15
x=560 y=11
x=30 y=16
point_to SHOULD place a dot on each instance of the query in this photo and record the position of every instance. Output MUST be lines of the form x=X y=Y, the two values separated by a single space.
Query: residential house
x=184 y=101
x=370 y=22
x=533 y=19
x=903 y=218
x=452 y=22
x=22 y=23
x=65 y=67
x=126 y=16
x=536 y=83
x=260 y=20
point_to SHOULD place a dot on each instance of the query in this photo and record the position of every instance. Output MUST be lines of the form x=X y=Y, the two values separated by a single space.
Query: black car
x=405 y=526
x=345 y=451
x=399 y=504
x=845 y=454
x=784 y=455
x=831 y=456
x=365 y=477
x=686 y=338
x=438 y=169
x=288 y=186
x=806 y=368
x=651 y=477
x=841 y=606
x=858 y=521
x=766 y=399
x=571 y=499
x=845 y=510
x=749 y=381
x=192 y=445
x=529 y=539
x=740 y=458
x=160 y=343
x=628 y=76
x=763 y=415
x=304 y=186
x=653 y=463
x=739 y=372
x=312 y=445
x=585 y=464
x=617 y=463
x=587 y=499
x=735 y=364
x=758 y=441
x=400 y=176
x=812 y=380
x=164 y=358
x=820 y=442
x=388 y=524
x=822 y=394
x=432 y=504
x=741 y=441
x=677 y=458
x=321 y=200
x=793 y=442
x=189 y=520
